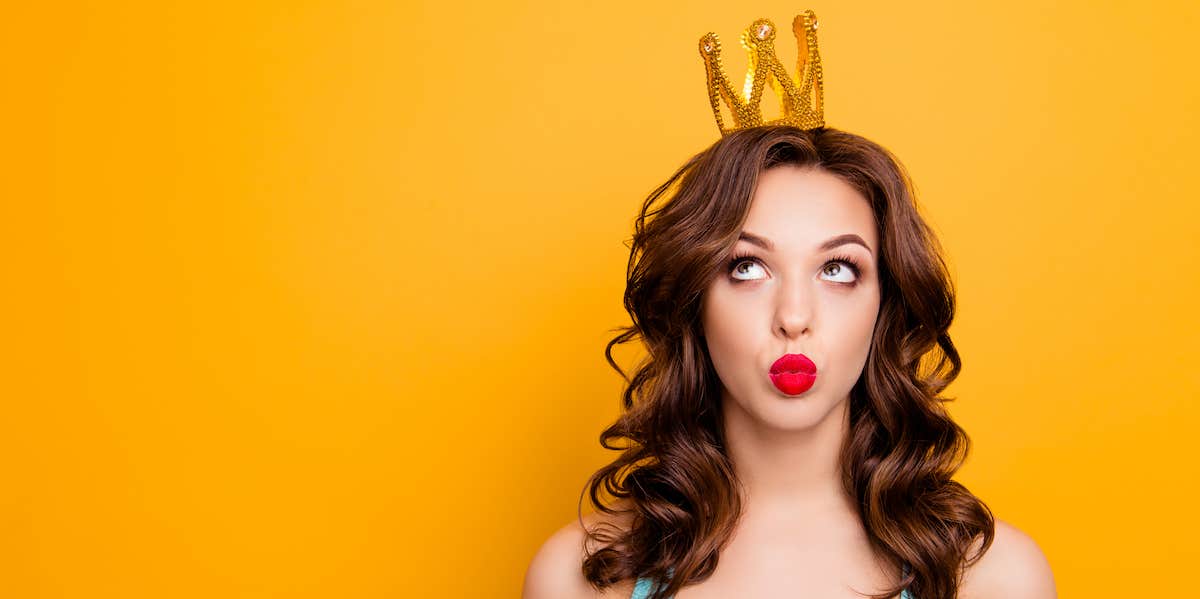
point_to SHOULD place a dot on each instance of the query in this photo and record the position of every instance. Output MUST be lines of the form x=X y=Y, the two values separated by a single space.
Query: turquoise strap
x=644 y=586
x=642 y=589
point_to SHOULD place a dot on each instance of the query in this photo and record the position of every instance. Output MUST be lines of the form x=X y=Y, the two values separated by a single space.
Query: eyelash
x=847 y=260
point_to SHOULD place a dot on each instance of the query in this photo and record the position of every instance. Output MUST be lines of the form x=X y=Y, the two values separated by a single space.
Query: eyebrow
x=828 y=244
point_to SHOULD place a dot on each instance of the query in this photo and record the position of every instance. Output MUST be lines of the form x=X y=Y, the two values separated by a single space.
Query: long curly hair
x=673 y=474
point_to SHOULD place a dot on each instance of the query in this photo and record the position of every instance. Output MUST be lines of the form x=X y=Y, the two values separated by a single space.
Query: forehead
x=799 y=207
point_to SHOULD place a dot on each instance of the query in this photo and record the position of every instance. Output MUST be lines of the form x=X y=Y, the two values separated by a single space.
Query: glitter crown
x=800 y=99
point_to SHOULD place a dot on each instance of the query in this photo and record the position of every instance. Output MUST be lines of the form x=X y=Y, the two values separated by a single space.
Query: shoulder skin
x=1014 y=567
x=555 y=572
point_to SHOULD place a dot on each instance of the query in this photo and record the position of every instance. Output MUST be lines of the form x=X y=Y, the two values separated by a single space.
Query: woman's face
x=800 y=284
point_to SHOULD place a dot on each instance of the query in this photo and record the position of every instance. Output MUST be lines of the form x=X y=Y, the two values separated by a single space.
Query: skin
x=800 y=530
x=793 y=298
x=800 y=535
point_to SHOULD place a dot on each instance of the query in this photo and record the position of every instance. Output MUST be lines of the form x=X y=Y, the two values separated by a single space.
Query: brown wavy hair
x=682 y=494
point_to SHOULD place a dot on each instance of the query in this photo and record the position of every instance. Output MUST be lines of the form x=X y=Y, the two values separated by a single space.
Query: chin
x=776 y=410
x=788 y=414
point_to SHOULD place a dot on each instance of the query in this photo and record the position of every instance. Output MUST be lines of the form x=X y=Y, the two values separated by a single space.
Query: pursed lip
x=793 y=363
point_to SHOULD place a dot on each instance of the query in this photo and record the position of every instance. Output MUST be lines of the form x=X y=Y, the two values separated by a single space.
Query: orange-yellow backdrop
x=308 y=299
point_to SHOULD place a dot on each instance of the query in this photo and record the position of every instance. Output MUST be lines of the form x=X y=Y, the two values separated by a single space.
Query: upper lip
x=793 y=363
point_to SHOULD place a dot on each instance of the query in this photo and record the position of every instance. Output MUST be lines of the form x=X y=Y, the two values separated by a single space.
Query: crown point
x=762 y=31
x=806 y=20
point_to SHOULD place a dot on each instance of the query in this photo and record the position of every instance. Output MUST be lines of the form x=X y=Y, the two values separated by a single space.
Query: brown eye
x=841 y=268
x=742 y=269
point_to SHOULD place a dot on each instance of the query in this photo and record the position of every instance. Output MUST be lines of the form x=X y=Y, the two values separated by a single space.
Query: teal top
x=643 y=587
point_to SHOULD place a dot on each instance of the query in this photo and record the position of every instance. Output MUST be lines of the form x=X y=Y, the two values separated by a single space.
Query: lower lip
x=793 y=383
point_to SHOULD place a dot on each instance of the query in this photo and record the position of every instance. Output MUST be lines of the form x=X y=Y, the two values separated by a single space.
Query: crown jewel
x=800 y=99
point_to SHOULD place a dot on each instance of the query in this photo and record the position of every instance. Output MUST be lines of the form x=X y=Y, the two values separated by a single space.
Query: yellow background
x=309 y=299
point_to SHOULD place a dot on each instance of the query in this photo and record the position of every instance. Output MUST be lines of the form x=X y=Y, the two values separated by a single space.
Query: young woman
x=785 y=435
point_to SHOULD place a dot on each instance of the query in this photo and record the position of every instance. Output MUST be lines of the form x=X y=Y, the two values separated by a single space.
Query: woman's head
x=713 y=322
x=802 y=279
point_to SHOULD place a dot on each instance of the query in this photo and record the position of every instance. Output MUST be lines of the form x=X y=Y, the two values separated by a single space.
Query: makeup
x=793 y=373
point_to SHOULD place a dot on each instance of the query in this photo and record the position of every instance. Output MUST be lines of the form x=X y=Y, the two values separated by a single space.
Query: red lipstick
x=793 y=373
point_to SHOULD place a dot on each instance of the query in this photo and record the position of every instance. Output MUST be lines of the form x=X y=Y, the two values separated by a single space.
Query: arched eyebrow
x=826 y=245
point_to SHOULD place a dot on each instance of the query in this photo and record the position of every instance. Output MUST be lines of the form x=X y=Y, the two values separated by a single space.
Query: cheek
x=733 y=327
x=856 y=323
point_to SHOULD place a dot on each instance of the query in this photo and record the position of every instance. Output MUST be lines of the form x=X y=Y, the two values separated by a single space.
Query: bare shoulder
x=1014 y=567
x=556 y=570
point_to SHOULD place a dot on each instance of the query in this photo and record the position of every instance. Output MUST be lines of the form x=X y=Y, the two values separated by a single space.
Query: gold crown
x=801 y=100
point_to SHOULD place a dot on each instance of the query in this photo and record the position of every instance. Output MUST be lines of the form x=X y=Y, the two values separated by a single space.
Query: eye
x=842 y=266
x=737 y=263
x=844 y=269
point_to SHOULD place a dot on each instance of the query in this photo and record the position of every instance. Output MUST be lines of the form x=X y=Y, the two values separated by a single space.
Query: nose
x=794 y=310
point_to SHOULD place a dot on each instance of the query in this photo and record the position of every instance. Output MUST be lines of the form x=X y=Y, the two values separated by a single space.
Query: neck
x=795 y=470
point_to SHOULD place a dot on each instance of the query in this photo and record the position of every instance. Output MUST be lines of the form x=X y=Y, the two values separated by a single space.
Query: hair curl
x=679 y=484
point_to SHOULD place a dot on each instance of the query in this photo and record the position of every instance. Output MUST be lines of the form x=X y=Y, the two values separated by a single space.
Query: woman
x=786 y=436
